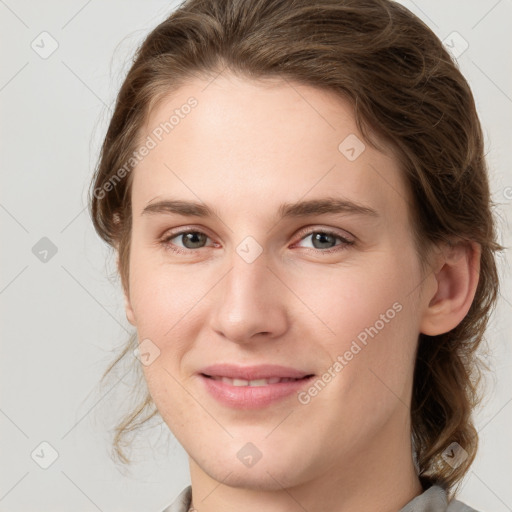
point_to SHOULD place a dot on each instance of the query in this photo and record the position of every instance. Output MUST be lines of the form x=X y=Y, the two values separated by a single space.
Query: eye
x=191 y=241
x=323 y=239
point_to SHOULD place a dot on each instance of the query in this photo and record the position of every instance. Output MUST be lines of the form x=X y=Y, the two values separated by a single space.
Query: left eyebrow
x=324 y=206
x=311 y=207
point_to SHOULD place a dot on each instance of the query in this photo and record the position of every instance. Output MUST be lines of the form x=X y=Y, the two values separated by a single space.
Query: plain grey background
x=62 y=315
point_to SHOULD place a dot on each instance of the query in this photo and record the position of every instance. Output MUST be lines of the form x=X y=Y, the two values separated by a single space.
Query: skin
x=246 y=148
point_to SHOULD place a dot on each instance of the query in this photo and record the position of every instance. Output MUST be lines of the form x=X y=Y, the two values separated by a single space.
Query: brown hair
x=406 y=88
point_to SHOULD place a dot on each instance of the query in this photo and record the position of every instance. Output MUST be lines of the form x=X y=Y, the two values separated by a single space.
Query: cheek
x=369 y=324
x=346 y=301
x=161 y=295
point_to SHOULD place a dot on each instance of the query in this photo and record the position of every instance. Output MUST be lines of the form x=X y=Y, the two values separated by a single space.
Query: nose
x=250 y=302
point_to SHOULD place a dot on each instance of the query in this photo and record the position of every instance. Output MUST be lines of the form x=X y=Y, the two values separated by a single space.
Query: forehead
x=261 y=142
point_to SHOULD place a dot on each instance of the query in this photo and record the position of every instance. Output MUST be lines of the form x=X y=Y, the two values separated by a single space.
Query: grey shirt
x=434 y=499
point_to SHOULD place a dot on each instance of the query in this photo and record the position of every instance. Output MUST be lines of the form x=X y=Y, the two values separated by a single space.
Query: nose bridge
x=248 y=279
x=250 y=302
x=249 y=276
x=247 y=285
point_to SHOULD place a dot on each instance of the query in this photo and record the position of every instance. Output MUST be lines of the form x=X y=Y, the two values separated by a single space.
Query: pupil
x=189 y=238
x=320 y=237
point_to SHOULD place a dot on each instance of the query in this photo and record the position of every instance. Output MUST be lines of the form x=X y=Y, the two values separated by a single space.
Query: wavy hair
x=406 y=88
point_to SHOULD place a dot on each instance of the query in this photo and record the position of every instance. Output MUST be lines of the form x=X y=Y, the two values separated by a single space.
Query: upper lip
x=263 y=371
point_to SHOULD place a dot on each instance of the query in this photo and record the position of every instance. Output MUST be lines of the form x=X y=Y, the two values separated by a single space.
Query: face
x=318 y=306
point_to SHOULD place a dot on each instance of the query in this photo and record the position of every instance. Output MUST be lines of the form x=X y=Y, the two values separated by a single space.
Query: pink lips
x=264 y=371
x=282 y=382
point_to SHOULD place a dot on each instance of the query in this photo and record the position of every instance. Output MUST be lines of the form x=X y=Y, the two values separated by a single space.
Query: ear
x=455 y=280
x=130 y=315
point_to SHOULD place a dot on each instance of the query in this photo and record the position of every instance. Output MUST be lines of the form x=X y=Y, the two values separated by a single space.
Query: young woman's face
x=330 y=290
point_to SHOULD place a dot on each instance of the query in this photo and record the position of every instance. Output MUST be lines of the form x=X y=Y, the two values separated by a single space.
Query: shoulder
x=458 y=506
x=434 y=499
x=182 y=501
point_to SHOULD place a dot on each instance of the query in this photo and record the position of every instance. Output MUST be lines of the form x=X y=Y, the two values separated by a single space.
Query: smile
x=255 y=393
x=255 y=382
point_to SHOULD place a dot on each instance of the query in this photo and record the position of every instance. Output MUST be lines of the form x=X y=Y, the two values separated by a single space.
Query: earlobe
x=457 y=280
x=130 y=316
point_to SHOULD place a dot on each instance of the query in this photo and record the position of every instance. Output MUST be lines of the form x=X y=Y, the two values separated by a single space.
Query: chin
x=270 y=473
x=250 y=478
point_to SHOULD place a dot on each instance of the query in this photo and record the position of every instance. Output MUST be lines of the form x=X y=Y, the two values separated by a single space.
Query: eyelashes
x=330 y=233
x=343 y=245
x=166 y=242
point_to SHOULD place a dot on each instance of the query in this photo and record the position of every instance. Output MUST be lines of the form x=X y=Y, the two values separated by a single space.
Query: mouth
x=252 y=387
x=255 y=382
x=253 y=373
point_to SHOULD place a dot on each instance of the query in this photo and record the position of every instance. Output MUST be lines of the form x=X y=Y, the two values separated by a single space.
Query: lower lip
x=252 y=397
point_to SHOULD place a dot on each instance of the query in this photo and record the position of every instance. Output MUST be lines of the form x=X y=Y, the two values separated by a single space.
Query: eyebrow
x=299 y=209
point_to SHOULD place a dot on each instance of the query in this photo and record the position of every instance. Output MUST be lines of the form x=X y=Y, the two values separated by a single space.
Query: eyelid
x=314 y=228
x=169 y=234
x=302 y=233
